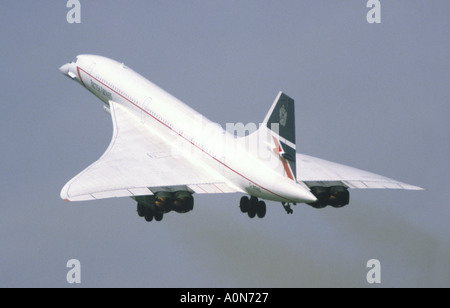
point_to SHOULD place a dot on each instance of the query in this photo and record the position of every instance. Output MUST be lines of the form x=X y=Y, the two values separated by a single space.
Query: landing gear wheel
x=148 y=217
x=140 y=210
x=261 y=209
x=253 y=206
x=287 y=207
x=244 y=204
x=158 y=216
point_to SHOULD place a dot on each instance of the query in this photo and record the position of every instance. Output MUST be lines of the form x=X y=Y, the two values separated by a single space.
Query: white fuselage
x=176 y=123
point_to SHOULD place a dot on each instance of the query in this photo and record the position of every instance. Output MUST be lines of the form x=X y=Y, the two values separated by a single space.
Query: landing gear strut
x=253 y=207
x=287 y=207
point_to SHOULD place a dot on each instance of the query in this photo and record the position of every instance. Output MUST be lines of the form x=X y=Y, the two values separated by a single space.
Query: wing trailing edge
x=314 y=171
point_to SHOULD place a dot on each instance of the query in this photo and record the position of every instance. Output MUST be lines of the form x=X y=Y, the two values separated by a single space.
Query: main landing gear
x=148 y=213
x=253 y=207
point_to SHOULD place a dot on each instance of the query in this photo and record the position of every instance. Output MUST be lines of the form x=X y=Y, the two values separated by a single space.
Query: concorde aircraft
x=163 y=152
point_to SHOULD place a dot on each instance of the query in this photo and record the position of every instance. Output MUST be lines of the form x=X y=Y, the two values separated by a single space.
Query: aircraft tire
x=148 y=217
x=253 y=206
x=251 y=213
x=158 y=216
x=261 y=209
x=140 y=210
x=244 y=204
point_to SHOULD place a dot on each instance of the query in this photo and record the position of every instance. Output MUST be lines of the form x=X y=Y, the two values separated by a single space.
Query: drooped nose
x=64 y=68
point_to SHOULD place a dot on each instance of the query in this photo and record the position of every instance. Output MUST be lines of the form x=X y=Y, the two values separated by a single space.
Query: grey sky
x=373 y=96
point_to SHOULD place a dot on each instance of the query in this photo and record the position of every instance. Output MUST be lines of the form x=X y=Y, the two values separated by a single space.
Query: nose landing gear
x=287 y=207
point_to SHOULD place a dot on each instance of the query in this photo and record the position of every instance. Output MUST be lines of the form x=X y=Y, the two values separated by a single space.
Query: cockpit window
x=75 y=60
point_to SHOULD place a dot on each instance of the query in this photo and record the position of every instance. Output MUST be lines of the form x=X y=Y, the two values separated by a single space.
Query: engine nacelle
x=163 y=201
x=183 y=202
x=335 y=196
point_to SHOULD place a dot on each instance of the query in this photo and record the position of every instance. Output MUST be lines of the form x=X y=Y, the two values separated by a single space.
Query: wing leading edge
x=139 y=162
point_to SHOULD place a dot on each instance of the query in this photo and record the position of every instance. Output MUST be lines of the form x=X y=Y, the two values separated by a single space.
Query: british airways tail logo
x=283 y=116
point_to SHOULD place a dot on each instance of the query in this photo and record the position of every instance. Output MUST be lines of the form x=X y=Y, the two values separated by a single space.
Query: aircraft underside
x=155 y=206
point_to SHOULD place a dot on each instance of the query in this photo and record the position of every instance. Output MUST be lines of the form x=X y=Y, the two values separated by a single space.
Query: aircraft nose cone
x=64 y=69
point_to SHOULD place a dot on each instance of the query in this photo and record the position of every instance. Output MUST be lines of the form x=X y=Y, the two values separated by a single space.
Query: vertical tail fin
x=282 y=115
x=280 y=121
